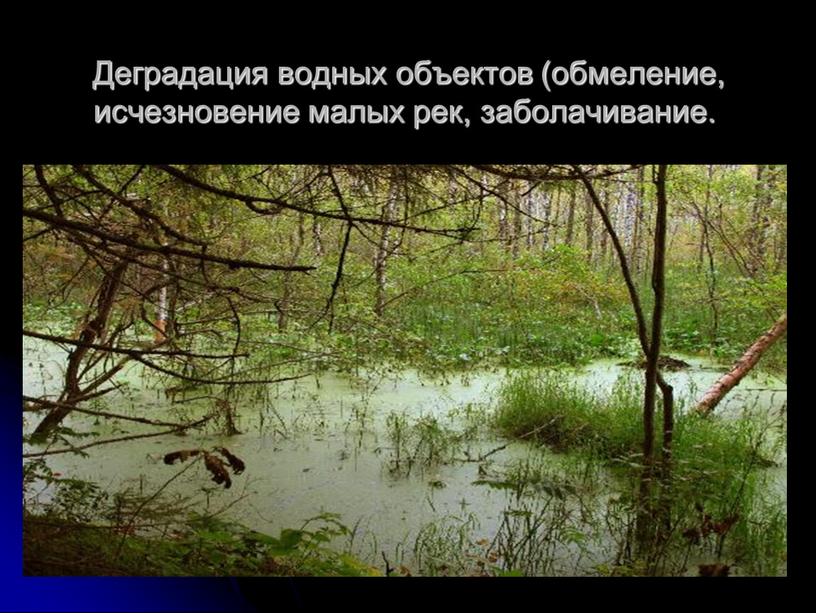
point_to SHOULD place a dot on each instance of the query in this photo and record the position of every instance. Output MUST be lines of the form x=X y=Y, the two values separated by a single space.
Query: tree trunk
x=296 y=240
x=664 y=526
x=504 y=229
x=92 y=332
x=160 y=333
x=533 y=212
x=658 y=285
x=654 y=377
x=546 y=204
x=555 y=216
x=629 y=210
x=781 y=257
x=317 y=237
x=605 y=196
x=652 y=356
x=748 y=360
x=571 y=218
x=704 y=221
x=637 y=232
x=590 y=225
x=384 y=247
x=759 y=218
x=517 y=220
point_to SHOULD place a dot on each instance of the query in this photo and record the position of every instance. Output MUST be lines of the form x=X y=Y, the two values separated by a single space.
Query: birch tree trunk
x=555 y=216
x=504 y=229
x=589 y=224
x=517 y=219
x=384 y=247
x=533 y=212
x=160 y=333
x=570 y=218
x=546 y=205
x=759 y=218
x=317 y=237
x=637 y=232
x=605 y=197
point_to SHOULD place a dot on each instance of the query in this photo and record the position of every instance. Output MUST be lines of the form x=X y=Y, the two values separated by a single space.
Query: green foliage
x=540 y=309
x=219 y=547
x=93 y=532
x=203 y=545
x=449 y=305
x=745 y=308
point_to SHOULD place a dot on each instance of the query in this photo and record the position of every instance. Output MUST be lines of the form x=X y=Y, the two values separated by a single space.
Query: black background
x=757 y=115
x=761 y=116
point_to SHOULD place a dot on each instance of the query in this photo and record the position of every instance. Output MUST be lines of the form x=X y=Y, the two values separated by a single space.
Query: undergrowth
x=718 y=488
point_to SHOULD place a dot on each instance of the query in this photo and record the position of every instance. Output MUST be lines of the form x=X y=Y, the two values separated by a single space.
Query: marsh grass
x=718 y=491
x=449 y=547
x=552 y=409
x=423 y=442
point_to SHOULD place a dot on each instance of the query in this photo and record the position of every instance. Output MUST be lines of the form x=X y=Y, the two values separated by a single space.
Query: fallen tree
x=742 y=367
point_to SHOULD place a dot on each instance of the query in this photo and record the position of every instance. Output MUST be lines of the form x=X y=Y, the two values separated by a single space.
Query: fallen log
x=742 y=367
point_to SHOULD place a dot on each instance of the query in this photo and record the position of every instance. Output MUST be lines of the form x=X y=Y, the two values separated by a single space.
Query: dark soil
x=664 y=362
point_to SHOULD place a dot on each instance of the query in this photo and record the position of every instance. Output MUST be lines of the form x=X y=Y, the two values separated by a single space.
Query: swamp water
x=408 y=463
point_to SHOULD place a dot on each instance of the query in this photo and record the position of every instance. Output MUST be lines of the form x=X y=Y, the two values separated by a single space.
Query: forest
x=405 y=370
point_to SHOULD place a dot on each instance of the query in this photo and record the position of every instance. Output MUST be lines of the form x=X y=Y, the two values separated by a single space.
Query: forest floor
x=54 y=546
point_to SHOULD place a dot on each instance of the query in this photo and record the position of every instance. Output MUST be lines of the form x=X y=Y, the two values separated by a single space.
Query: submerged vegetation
x=188 y=307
